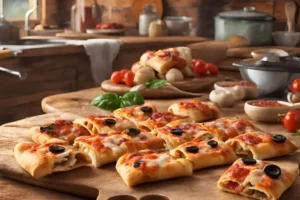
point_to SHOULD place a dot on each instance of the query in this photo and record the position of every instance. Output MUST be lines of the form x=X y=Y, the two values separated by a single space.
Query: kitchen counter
x=78 y=103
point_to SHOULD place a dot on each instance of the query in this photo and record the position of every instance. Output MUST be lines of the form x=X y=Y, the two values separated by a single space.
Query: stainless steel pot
x=254 y=25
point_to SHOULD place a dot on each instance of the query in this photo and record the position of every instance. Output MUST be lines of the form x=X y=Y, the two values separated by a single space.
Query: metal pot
x=254 y=25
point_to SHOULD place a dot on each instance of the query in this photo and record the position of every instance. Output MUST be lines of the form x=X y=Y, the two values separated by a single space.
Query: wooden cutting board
x=245 y=52
x=190 y=87
x=105 y=183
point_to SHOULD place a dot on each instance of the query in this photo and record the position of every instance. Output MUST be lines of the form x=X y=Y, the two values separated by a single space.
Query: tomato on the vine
x=296 y=85
x=291 y=120
x=199 y=66
x=128 y=78
x=213 y=69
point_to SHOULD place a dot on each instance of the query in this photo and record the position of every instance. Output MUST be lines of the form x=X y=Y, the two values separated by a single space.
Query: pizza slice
x=207 y=153
x=257 y=179
x=136 y=113
x=107 y=148
x=176 y=134
x=102 y=149
x=102 y=124
x=260 y=145
x=230 y=127
x=151 y=165
x=163 y=60
x=197 y=110
x=54 y=156
x=139 y=140
x=61 y=129
x=160 y=119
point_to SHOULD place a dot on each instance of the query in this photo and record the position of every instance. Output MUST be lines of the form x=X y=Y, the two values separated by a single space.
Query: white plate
x=105 y=31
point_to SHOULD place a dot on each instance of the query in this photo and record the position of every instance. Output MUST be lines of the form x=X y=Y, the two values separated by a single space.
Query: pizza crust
x=196 y=113
x=255 y=183
x=161 y=168
x=206 y=156
x=262 y=150
x=39 y=161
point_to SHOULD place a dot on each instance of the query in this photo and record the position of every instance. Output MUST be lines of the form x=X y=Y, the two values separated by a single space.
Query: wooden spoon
x=290 y=11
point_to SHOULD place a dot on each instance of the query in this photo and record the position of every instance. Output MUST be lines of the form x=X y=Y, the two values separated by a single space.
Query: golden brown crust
x=39 y=161
x=155 y=165
x=160 y=119
x=198 y=111
x=96 y=124
x=191 y=131
x=135 y=113
x=259 y=145
x=251 y=181
x=206 y=156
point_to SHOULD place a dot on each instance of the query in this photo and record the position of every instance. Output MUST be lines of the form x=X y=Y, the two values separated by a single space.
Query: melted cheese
x=160 y=161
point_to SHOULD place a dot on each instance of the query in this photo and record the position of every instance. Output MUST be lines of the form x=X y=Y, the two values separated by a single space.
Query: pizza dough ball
x=173 y=75
x=144 y=75
x=238 y=92
x=187 y=71
x=136 y=66
x=223 y=98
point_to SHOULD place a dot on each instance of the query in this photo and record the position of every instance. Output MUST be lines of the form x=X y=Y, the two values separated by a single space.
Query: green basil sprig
x=111 y=101
x=156 y=83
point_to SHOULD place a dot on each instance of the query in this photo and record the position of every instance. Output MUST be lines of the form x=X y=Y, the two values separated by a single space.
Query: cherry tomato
x=128 y=78
x=117 y=77
x=213 y=69
x=291 y=120
x=124 y=71
x=199 y=66
x=296 y=85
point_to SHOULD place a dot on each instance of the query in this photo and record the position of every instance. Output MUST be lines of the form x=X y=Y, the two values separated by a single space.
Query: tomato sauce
x=267 y=103
x=238 y=172
x=174 y=56
x=251 y=139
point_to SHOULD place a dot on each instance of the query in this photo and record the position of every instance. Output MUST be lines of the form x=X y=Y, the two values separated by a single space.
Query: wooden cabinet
x=47 y=75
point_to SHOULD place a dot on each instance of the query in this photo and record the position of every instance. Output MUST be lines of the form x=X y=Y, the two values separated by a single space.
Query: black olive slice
x=110 y=122
x=192 y=149
x=137 y=164
x=146 y=109
x=249 y=161
x=279 y=138
x=272 y=171
x=49 y=127
x=177 y=131
x=133 y=131
x=212 y=143
x=56 y=149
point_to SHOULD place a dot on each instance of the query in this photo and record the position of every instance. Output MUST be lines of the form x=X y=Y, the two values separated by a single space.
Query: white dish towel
x=102 y=53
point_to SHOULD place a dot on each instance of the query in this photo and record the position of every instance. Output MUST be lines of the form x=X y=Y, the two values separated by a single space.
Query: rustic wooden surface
x=13 y=190
x=190 y=87
x=87 y=181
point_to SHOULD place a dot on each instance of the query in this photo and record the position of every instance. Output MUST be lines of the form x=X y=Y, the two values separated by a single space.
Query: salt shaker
x=148 y=15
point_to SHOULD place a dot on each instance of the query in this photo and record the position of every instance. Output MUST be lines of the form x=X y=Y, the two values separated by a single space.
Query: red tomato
x=213 y=69
x=296 y=85
x=199 y=66
x=124 y=71
x=117 y=77
x=291 y=120
x=128 y=78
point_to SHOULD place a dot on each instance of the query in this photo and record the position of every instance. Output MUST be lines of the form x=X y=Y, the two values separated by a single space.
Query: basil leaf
x=131 y=98
x=156 y=83
x=49 y=127
x=108 y=101
x=297 y=134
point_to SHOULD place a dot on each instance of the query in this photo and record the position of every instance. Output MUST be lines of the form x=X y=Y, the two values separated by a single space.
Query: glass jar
x=148 y=15
x=85 y=14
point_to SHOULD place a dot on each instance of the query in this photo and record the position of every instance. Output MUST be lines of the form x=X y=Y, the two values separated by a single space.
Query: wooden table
x=78 y=103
